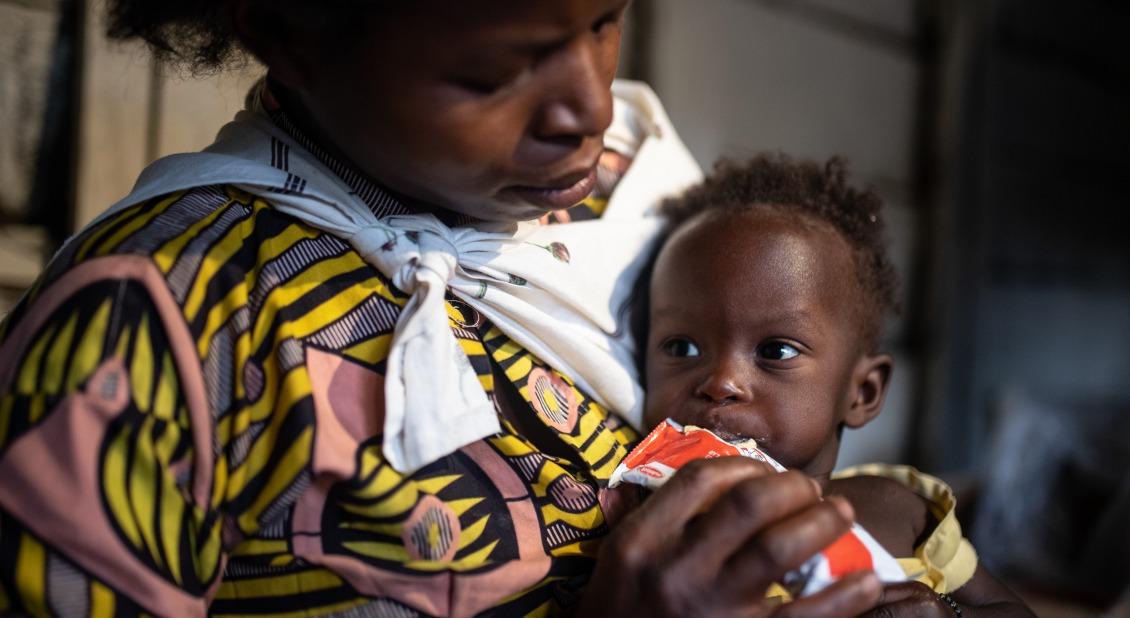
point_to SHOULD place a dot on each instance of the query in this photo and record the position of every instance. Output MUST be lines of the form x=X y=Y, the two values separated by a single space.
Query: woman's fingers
x=647 y=551
x=851 y=596
x=647 y=540
x=745 y=509
x=909 y=600
x=694 y=489
x=786 y=544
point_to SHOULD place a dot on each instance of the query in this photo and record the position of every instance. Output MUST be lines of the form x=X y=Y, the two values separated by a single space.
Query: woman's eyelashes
x=487 y=84
x=611 y=18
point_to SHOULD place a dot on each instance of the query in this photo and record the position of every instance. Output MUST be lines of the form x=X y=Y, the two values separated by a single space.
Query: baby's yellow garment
x=946 y=560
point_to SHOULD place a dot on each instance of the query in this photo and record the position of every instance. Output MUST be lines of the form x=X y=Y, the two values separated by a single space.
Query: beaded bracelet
x=948 y=600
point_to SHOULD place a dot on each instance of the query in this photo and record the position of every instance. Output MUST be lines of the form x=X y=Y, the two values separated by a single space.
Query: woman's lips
x=569 y=193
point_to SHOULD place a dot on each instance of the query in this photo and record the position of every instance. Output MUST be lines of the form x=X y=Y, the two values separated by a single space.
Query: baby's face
x=753 y=332
x=493 y=108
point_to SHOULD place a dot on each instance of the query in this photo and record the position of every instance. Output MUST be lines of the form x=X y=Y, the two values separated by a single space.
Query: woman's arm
x=983 y=595
x=109 y=486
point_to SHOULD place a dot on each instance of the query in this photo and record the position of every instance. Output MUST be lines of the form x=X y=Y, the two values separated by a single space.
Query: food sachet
x=670 y=446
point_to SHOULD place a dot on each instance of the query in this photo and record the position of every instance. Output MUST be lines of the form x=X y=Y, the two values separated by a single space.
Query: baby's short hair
x=806 y=189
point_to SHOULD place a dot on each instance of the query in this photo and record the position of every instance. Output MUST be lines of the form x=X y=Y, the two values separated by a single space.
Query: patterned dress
x=191 y=407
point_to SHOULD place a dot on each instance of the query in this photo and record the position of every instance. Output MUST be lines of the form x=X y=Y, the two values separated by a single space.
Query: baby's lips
x=734 y=423
x=670 y=446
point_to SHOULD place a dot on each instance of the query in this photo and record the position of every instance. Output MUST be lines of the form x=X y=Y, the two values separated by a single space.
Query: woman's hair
x=201 y=35
x=193 y=33
x=809 y=190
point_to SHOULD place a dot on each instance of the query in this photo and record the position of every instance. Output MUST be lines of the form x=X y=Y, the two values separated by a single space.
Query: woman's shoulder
x=205 y=242
x=211 y=258
x=166 y=228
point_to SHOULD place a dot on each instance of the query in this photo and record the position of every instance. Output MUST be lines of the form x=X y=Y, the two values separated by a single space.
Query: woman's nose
x=727 y=382
x=579 y=101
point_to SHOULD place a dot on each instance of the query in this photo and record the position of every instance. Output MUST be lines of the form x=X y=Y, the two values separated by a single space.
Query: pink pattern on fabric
x=553 y=399
x=427 y=593
x=570 y=495
x=431 y=531
x=49 y=480
x=349 y=404
x=447 y=592
x=472 y=594
x=182 y=347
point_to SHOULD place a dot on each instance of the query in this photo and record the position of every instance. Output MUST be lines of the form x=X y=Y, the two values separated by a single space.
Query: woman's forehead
x=516 y=19
x=443 y=34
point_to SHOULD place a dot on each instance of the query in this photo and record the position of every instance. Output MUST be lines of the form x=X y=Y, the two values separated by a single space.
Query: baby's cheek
x=677 y=410
x=659 y=404
x=651 y=414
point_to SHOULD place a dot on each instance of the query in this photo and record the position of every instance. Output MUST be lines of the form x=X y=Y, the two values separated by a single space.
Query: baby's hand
x=912 y=599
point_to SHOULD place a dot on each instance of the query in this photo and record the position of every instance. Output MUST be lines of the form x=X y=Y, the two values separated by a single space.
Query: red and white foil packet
x=670 y=446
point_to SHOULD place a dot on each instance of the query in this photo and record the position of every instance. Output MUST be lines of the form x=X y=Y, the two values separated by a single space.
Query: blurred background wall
x=80 y=116
x=996 y=132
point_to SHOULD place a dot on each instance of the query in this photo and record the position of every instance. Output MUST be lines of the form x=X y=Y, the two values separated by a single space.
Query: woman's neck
x=302 y=122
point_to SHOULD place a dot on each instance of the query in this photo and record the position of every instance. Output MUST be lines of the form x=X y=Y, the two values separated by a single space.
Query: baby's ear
x=869 y=388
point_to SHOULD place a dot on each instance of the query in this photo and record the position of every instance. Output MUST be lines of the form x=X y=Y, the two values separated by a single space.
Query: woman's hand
x=712 y=540
x=911 y=600
x=981 y=596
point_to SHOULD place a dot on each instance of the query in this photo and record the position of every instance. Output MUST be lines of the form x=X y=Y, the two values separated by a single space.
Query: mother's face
x=494 y=108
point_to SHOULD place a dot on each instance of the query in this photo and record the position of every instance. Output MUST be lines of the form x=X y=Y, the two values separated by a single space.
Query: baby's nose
x=726 y=383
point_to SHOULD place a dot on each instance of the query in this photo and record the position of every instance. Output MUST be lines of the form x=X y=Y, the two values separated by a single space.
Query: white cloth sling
x=558 y=291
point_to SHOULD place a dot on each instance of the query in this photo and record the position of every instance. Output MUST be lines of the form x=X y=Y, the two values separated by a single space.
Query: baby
x=763 y=321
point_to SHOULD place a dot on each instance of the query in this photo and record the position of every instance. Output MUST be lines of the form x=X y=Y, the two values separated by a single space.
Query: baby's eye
x=777 y=350
x=680 y=347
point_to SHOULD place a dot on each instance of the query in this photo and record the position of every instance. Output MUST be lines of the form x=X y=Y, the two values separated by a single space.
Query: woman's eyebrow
x=536 y=41
x=524 y=44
